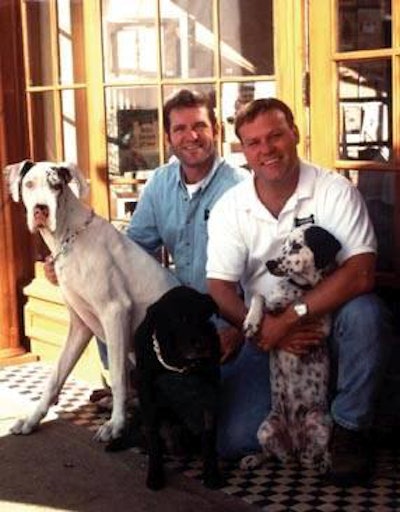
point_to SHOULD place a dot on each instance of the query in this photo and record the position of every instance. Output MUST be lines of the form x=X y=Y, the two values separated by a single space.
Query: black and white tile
x=272 y=488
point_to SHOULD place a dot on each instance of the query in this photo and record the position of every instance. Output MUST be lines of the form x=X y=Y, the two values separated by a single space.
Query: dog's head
x=40 y=185
x=306 y=255
x=180 y=321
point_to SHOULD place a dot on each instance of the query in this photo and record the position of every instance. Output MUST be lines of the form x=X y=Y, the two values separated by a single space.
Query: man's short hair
x=248 y=113
x=186 y=98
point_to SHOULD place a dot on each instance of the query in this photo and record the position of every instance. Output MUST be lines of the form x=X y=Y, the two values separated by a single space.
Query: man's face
x=192 y=136
x=270 y=147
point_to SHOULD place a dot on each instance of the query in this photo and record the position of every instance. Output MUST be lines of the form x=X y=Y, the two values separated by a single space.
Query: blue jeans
x=359 y=341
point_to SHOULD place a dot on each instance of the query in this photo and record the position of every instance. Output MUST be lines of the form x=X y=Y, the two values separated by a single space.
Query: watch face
x=301 y=309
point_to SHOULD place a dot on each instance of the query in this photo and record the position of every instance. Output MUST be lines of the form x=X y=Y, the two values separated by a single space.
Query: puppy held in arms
x=298 y=427
x=107 y=281
x=177 y=355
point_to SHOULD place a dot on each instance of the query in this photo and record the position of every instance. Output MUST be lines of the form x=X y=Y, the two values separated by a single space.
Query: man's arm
x=296 y=338
x=355 y=277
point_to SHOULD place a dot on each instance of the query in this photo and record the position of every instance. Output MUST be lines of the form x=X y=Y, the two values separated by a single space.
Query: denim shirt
x=167 y=215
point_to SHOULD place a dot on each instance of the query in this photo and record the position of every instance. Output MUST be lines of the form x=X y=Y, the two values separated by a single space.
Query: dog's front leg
x=254 y=316
x=78 y=338
x=211 y=474
x=118 y=333
x=152 y=422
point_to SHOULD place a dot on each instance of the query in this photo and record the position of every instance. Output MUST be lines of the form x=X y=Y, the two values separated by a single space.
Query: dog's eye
x=29 y=184
x=296 y=247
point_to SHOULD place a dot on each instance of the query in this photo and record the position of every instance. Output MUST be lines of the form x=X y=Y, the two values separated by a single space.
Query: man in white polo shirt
x=248 y=225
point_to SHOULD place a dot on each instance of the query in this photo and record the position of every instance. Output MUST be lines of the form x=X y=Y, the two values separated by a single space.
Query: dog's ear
x=323 y=244
x=14 y=174
x=75 y=178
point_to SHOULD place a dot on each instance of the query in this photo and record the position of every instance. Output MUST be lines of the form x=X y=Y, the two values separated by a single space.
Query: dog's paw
x=108 y=431
x=155 y=479
x=23 y=426
x=249 y=329
x=251 y=461
x=213 y=480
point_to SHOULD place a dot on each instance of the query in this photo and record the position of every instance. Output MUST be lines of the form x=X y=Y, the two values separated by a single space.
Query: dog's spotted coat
x=298 y=426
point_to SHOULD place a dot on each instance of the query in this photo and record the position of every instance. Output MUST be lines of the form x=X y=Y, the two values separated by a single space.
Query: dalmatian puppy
x=298 y=426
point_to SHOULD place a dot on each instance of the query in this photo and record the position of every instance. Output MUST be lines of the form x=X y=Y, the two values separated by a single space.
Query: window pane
x=75 y=127
x=379 y=191
x=70 y=40
x=187 y=38
x=132 y=131
x=39 y=43
x=365 y=127
x=246 y=44
x=43 y=133
x=236 y=95
x=130 y=39
x=364 y=25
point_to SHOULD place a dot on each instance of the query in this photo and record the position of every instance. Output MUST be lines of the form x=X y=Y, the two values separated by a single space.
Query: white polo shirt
x=243 y=234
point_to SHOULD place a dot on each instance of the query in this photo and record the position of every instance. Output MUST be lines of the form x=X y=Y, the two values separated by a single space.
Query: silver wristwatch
x=300 y=308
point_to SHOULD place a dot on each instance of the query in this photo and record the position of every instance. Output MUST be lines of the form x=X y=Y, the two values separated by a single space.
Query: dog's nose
x=271 y=265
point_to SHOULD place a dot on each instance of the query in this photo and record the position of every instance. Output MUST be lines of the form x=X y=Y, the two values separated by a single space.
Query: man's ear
x=296 y=133
x=14 y=174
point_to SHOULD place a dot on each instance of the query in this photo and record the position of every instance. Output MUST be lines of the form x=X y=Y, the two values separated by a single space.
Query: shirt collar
x=218 y=161
x=304 y=190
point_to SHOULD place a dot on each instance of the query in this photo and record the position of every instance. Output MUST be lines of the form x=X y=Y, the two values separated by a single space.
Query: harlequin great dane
x=107 y=280
x=298 y=426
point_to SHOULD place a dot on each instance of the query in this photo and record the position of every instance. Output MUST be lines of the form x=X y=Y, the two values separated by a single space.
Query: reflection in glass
x=364 y=25
x=235 y=95
x=365 y=110
x=246 y=44
x=130 y=39
x=75 y=127
x=132 y=130
x=39 y=43
x=187 y=39
x=43 y=135
x=379 y=191
x=70 y=40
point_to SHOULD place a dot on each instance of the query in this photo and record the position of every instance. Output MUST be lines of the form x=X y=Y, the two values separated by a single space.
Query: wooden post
x=15 y=242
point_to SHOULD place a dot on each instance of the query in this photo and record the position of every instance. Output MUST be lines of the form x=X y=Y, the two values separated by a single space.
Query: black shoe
x=351 y=458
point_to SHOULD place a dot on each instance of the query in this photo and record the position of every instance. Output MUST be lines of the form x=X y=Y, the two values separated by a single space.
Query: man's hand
x=231 y=340
x=49 y=271
x=275 y=332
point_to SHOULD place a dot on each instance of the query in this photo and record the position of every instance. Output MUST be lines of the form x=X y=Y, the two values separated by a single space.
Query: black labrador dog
x=177 y=373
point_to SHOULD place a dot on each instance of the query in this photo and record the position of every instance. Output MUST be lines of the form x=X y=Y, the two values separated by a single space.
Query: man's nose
x=267 y=146
x=192 y=132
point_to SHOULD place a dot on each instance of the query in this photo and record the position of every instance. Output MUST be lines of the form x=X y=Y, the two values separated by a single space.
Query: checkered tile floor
x=272 y=488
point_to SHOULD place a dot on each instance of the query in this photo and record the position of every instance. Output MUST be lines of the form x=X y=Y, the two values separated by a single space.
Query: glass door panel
x=247 y=43
x=130 y=39
x=70 y=41
x=187 y=39
x=43 y=133
x=39 y=44
x=364 y=25
x=365 y=110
